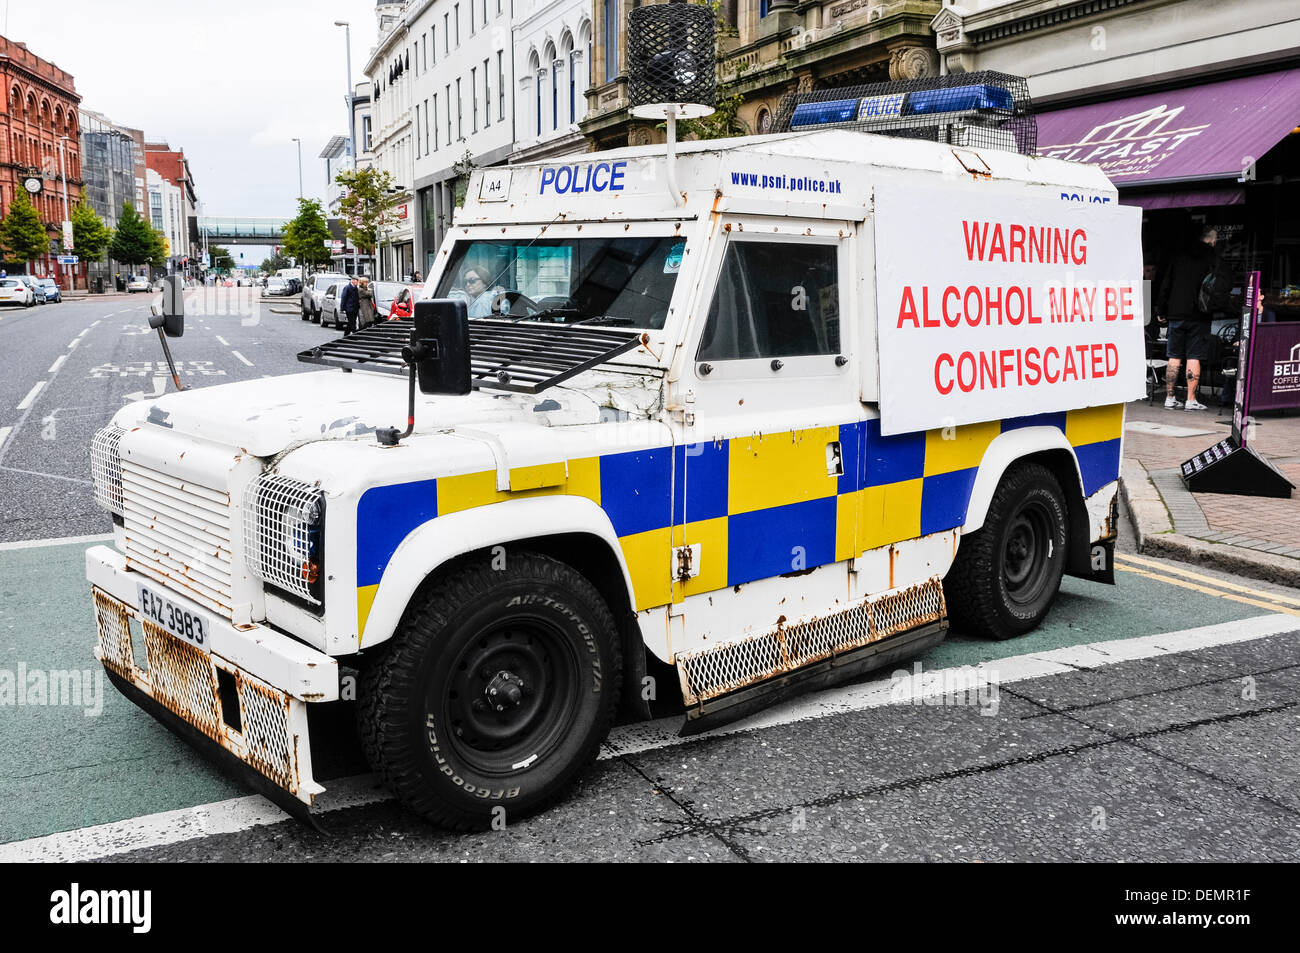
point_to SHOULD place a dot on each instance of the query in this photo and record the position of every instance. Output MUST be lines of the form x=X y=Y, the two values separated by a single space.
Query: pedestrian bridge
x=221 y=230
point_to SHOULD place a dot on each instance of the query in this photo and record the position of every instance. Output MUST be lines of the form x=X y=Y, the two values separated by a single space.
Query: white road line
x=51 y=476
x=61 y=541
x=224 y=342
x=243 y=813
x=242 y=358
x=4 y=435
x=31 y=395
x=95 y=322
x=75 y=342
x=54 y=368
x=84 y=332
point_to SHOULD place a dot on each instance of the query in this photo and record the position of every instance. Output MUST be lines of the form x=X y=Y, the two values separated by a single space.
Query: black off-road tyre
x=1007 y=574
x=539 y=635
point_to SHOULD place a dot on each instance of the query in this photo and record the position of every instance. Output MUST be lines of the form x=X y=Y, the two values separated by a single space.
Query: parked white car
x=14 y=291
x=138 y=283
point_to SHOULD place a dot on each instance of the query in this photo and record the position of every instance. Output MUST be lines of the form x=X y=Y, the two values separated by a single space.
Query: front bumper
x=249 y=696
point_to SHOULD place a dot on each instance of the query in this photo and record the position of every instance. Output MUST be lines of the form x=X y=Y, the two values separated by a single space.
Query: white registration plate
x=185 y=624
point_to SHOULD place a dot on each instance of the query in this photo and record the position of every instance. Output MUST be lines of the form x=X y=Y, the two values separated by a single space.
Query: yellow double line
x=1177 y=576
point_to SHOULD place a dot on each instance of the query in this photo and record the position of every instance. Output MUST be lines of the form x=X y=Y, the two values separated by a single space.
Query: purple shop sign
x=1217 y=130
x=1275 y=366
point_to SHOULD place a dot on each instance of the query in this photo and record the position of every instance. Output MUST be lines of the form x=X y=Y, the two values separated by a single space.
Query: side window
x=774 y=299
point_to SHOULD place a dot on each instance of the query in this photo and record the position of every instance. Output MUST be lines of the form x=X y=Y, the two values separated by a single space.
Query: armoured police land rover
x=763 y=420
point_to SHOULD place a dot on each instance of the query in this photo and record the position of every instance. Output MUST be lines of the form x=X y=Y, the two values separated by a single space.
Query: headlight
x=106 y=468
x=284 y=535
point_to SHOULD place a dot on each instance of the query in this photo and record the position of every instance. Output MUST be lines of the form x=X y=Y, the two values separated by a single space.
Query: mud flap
x=228 y=763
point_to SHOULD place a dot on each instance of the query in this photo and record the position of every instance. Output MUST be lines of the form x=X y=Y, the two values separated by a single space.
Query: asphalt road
x=1152 y=720
x=68 y=367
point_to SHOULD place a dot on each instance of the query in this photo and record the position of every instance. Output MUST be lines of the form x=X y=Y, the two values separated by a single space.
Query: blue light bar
x=821 y=114
x=957 y=99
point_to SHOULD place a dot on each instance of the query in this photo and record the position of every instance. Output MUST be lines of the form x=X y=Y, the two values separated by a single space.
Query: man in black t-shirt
x=1180 y=301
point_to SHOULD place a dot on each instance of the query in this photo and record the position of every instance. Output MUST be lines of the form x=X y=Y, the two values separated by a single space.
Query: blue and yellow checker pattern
x=766 y=503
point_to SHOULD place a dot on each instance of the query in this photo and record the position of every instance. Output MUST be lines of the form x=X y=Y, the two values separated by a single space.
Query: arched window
x=535 y=70
x=553 y=65
x=566 y=58
x=30 y=111
x=582 y=76
x=45 y=113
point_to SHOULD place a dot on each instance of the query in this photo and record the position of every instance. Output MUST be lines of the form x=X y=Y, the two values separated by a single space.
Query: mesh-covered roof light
x=671 y=60
x=981 y=110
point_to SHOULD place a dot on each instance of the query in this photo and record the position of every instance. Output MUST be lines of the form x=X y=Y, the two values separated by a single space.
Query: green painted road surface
x=62 y=768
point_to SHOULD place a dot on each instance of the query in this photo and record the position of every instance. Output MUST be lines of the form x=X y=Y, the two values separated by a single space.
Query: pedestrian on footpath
x=366 y=312
x=1194 y=287
x=350 y=304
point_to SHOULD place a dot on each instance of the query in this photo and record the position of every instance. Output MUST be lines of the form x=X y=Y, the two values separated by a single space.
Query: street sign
x=69 y=260
x=67 y=235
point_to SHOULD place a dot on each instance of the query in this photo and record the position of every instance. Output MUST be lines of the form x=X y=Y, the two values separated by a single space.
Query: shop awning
x=1194 y=134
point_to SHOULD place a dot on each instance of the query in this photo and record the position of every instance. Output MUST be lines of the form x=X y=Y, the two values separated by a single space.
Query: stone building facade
x=767 y=48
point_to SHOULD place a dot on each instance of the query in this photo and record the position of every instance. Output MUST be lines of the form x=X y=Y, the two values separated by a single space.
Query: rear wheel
x=495 y=693
x=1006 y=575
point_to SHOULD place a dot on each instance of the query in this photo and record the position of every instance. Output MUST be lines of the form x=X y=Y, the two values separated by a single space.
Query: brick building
x=172 y=166
x=40 y=112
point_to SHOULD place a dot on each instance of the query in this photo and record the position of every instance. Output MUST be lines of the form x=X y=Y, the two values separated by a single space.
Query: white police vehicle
x=762 y=433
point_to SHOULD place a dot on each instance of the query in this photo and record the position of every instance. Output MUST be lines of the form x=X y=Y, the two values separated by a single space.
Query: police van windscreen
x=615 y=281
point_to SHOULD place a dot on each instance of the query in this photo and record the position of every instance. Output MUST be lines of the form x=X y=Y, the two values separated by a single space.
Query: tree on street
x=275 y=262
x=365 y=204
x=89 y=233
x=22 y=233
x=221 y=259
x=306 y=235
x=134 y=242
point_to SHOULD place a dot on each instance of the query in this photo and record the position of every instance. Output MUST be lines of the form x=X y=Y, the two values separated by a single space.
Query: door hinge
x=686 y=562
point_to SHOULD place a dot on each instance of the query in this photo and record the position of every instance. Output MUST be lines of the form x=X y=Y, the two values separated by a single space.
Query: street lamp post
x=352 y=123
x=299 y=141
x=63 y=171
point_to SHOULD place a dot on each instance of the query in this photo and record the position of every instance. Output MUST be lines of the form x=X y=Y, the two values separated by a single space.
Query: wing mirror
x=169 y=314
x=440 y=346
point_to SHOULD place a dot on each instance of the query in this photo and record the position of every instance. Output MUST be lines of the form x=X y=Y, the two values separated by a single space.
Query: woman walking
x=366 y=315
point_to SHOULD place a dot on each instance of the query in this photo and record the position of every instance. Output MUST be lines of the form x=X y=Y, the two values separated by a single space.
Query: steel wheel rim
x=529 y=668
x=1027 y=551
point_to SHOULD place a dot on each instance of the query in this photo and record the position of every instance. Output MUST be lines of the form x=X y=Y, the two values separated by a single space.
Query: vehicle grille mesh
x=277 y=531
x=106 y=468
x=727 y=668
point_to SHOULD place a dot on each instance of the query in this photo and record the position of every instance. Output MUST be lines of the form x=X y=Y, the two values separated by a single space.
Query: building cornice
x=959 y=29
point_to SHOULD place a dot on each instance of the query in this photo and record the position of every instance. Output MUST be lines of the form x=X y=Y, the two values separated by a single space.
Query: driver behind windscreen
x=473 y=289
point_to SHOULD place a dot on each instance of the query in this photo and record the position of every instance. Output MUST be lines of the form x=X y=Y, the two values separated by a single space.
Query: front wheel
x=495 y=693
x=1006 y=574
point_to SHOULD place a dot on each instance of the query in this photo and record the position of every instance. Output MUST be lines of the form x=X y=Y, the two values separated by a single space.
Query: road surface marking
x=52 y=476
x=60 y=541
x=1175 y=581
x=54 y=368
x=4 y=435
x=95 y=322
x=242 y=358
x=31 y=395
x=1210 y=580
x=224 y=342
x=242 y=813
x=83 y=333
x=75 y=342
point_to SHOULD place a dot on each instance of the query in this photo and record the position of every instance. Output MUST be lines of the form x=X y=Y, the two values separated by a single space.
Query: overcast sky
x=230 y=82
